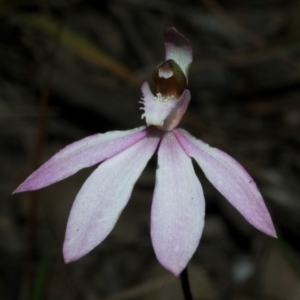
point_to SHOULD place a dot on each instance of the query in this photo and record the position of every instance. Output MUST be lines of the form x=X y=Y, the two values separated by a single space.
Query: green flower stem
x=185 y=285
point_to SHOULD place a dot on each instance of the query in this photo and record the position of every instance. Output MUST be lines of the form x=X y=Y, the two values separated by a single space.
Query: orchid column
x=178 y=208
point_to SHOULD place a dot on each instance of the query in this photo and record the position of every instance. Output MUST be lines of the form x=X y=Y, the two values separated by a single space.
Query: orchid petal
x=230 y=179
x=178 y=207
x=81 y=154
x=178 y=48
x=103 y=196
x=165 y=113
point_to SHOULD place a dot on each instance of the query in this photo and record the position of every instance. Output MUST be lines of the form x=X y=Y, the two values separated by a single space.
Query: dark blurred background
x=71 y=68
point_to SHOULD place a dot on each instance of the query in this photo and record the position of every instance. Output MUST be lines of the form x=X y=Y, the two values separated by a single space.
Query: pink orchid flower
x=178 y=208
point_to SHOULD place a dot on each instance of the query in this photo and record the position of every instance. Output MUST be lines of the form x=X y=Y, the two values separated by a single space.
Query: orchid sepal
x=230 y=179
x=103 y=196
x=178 y=48
x=81 y=154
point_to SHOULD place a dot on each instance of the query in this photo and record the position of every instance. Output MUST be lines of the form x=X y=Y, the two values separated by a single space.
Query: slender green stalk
x=185 y=285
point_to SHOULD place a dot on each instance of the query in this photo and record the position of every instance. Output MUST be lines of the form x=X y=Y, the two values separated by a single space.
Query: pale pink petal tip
x=230 y=179
x=178 y=48
x=164 y=113
x=178 y=207
x=81 y=154
x=103 y=196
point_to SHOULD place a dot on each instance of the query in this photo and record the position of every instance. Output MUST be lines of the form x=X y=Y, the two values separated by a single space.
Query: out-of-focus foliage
x=77 y=44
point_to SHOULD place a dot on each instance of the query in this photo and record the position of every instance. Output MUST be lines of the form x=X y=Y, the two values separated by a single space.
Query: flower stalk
x=185 y=285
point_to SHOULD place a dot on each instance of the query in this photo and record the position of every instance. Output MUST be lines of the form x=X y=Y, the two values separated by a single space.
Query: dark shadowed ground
x=71 y=68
